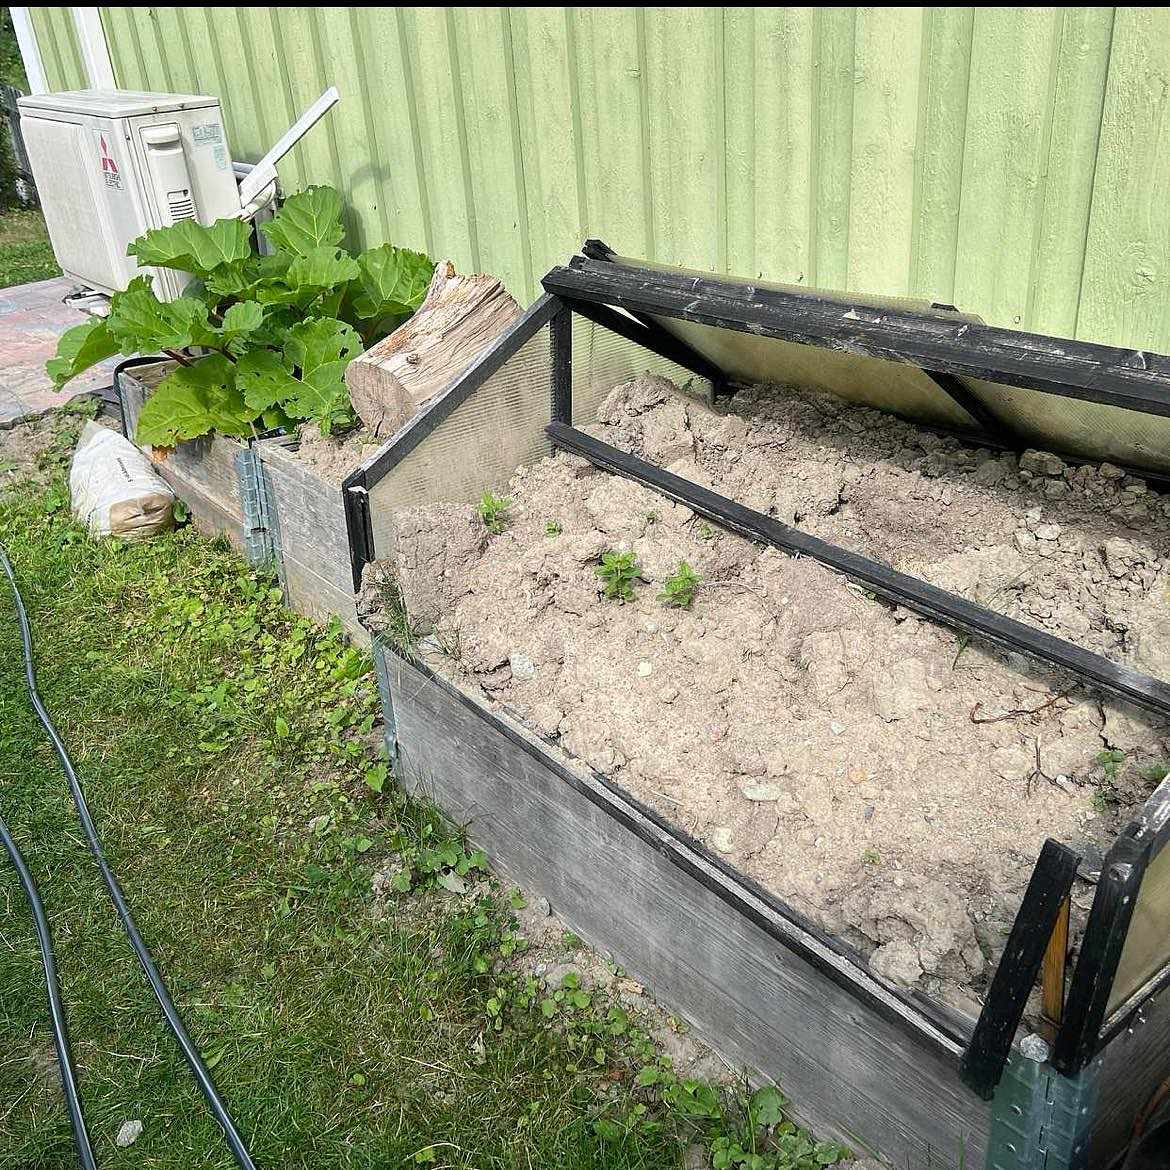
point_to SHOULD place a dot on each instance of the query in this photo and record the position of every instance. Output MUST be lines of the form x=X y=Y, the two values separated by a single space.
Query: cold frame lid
x=923 y=361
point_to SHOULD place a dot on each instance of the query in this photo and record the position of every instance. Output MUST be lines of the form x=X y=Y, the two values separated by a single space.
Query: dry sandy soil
x=882 y=775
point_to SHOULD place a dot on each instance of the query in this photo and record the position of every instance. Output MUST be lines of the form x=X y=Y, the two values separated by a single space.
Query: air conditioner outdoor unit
x=109 y=164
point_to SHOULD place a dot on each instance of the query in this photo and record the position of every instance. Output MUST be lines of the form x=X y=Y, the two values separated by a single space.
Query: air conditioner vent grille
x=180 y=206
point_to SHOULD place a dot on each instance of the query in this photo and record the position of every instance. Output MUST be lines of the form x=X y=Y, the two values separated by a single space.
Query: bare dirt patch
x=884 y=777
x=333 y=457
x=38 y=447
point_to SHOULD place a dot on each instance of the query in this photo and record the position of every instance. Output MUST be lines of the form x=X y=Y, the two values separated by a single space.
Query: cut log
x=458 y=318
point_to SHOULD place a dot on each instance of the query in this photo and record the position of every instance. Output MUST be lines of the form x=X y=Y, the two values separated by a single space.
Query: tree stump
x=459 y=317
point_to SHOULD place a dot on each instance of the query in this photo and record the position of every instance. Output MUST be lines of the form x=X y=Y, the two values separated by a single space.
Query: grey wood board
x=1133 y=1065
x=202 y=472
x=314 y=545
x=851 y=1072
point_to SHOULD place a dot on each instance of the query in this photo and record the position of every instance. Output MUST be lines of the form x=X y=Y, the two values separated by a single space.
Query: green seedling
x=618 y=572
x=1110 y=762
x=553 y=528
x=493 y=511
x=678 y=590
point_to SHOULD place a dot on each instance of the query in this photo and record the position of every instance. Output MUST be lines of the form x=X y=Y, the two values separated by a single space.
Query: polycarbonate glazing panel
x=1090 y=429
x=748 y=357
x=603 y=359
x=1147 y=944
x=498 y=428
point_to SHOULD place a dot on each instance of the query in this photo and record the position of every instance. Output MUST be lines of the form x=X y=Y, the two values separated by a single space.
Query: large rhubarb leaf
x=141 y=323
x=321 y=268
x=240 y=322
x=194 y=247
x=194 y=401
x=320 y=349
x=78 y=349
x=265 y=380
x=310 y=219
x=393 y=281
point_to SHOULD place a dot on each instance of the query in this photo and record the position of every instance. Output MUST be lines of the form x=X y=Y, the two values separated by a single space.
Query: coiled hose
x=190 y=1052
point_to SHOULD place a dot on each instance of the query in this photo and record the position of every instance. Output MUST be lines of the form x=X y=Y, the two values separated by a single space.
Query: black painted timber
x=657 y=339
x=983 y=1062
x=1085 y=1030
x=1130 y=379
x=937 y=604
x=959 y=393
x=561 y=365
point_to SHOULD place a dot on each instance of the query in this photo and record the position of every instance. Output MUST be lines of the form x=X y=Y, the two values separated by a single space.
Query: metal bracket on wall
x=381 y=672
x=355 y=500
x=1040 y=1120
x=262 y=531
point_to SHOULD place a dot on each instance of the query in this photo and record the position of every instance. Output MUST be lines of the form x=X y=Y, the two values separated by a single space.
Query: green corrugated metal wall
x=1013 y=161
x=57 y=40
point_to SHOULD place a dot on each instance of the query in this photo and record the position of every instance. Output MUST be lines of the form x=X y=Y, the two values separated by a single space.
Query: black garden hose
x=194 y=1060
x=56 y=1011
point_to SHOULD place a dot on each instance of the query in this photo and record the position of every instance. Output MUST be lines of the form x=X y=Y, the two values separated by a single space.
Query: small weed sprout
x=493 y=511
x=552 y=528
x=678 y=590
x=1110 y=762
x=706 y=532
x=618 y=572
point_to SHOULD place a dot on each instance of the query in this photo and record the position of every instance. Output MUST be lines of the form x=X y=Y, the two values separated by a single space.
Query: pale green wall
x=57 y=40
x=1015 y=161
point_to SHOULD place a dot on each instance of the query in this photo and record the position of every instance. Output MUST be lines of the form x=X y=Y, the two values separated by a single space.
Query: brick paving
x=32 y=317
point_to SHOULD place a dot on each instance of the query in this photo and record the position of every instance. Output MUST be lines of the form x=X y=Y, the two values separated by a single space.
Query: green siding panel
x=56 y=36
x=1013 y=161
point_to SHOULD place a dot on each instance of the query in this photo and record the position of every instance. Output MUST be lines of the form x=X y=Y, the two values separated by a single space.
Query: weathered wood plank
x=311 y=532
x=859 y=1064
x=1132 y=1068
x=202 y=472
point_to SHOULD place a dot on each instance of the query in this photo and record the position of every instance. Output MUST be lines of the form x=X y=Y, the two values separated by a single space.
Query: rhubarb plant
x=262 y=340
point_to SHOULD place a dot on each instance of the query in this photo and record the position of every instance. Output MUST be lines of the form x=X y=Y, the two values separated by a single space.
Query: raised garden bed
x=872 y=1052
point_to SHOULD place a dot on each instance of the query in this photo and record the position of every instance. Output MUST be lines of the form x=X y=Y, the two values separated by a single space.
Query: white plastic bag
x=115 y=489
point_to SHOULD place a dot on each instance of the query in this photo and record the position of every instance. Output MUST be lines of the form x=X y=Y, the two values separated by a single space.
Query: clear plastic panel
x=499 y=427
x=603 y=359
x=748 y=357
x=1147 y=943
x=1054 y=422
x=1092 y=430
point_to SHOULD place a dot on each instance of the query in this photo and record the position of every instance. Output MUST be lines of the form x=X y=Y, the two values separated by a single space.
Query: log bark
x=458 y=318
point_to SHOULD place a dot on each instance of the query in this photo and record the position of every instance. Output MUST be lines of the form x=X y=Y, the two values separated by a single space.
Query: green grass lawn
x=25 y=251
x=230 y=754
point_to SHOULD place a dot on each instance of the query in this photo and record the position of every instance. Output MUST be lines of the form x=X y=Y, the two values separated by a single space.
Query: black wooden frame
x=935 y=343
x=1084 y=1031
x=941 y=347
x=355 y=489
